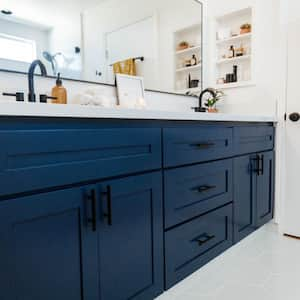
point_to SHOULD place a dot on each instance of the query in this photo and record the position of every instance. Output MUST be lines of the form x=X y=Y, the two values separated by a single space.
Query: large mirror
x=91 y=40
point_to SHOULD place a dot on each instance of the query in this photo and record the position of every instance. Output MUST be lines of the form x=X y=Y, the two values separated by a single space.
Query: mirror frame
x=113 y=85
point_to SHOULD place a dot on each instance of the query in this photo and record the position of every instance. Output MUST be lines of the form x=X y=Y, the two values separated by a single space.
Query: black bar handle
x=204 y=188
x=108 y=215
x=261 y=168
x=205 y=238
x=256 y=169
x=93 y=220
x=204 y=145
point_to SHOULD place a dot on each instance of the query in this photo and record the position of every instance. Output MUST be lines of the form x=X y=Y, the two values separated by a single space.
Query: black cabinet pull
x=204 y=188
x=256 y=168
x=108 y=215
x=204 y=145
x=93 y=220
x=259 y=165
x=261 y=168
x=205 y=238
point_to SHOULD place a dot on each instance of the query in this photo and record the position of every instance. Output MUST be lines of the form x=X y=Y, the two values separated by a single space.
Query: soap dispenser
x=59 y=93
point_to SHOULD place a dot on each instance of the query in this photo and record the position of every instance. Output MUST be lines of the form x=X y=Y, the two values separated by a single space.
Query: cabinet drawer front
x=37 y=159
x=253 y=139
x=196 y=144
x=190 y=246
x=192 y=191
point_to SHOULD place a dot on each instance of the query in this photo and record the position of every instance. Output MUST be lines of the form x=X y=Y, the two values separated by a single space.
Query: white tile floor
x=265 y=266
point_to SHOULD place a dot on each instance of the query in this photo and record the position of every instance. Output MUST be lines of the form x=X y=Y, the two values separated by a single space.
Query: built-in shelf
x=193 y=36
x=191 y=49
x=230 y=25
x=234 y=59
x=234 y=85
x=235 y=38
x=188 y=69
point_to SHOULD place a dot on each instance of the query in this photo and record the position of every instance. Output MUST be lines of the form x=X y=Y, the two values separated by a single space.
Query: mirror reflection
x=92 y=40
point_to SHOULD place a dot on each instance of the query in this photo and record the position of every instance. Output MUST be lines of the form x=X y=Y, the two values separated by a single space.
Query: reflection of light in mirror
x=13 y=48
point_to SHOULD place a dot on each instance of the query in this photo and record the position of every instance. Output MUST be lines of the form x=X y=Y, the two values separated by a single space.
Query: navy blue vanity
x=119 y=209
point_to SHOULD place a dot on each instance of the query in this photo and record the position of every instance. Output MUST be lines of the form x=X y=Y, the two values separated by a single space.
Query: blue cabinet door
x=265 y=189
x=131 y=238
x=47 y=248
x=244 y=196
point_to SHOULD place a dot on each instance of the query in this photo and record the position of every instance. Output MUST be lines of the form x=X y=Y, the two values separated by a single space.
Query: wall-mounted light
x=6 y=12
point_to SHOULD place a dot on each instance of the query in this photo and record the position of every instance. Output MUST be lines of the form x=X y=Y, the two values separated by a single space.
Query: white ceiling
x=46 y=12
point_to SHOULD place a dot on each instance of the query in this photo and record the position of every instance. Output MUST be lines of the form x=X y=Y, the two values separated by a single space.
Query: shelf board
x=233 y=60
x=187 y=69
x=235 y=85
x=235 y=38
x=196 y=48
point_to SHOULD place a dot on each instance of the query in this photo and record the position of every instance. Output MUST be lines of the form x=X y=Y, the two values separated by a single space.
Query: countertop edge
x=94 y=112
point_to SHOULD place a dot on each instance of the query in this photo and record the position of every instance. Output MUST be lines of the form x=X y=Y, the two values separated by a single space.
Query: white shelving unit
x=193 y=36
x=228 y=34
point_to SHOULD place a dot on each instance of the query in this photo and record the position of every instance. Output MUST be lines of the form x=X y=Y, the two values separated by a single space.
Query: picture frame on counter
x=130 y=90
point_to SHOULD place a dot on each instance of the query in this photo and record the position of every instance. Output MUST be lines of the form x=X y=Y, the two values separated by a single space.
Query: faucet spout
x=200 y=108
x=31 y=94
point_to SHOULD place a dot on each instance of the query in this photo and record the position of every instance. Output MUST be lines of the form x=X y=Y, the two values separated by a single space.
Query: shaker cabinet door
x=47 y=248
x=131 y=238
x=265 y=189
x=244 y=196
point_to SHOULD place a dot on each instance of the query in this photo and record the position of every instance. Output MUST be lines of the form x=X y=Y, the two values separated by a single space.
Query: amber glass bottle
x=59 y=92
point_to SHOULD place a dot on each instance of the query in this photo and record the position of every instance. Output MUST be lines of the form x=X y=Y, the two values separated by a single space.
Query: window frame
x=32 y=43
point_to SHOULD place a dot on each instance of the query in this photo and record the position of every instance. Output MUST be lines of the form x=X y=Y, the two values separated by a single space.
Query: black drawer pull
x=108 y=215
x=205 y=238
x=204 y=188
x=93 y=220
x=204 y=145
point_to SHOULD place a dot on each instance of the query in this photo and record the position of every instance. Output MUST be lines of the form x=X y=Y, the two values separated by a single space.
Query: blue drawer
x=38 y=159
x=192 y=191
x=196 y=144
x=251 y=139
x=190 y=246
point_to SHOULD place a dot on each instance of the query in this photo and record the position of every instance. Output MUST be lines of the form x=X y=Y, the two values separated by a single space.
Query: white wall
x=264 y=96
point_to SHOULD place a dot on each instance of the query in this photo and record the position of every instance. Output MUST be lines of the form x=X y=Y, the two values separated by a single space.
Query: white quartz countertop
x=78 y=111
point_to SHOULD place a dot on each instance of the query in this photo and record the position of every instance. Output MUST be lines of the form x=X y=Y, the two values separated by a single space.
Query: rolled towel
x=83 y=99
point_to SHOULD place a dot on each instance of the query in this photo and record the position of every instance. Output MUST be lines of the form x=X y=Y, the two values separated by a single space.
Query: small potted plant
x=211 y=103
x=245 y=28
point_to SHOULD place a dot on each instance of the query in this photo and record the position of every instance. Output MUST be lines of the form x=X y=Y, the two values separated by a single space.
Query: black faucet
x=201 y=108
x=31 y=94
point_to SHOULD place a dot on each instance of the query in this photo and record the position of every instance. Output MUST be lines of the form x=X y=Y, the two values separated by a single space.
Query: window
x=17 y=49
